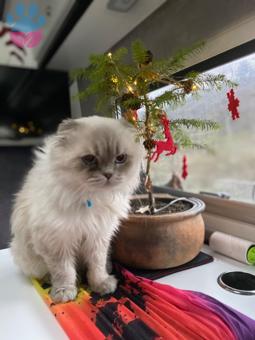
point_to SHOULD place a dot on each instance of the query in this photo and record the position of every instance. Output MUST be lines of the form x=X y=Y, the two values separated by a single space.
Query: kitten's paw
x=107 y=286
x=63 y=294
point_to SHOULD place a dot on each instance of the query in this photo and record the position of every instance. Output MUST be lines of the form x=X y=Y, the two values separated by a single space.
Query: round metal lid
x=238 y=282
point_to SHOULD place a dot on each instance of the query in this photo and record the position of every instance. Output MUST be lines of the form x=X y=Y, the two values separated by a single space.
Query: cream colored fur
x=52 y=227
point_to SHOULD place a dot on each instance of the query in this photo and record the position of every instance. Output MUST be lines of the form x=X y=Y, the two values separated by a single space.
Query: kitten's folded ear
x=65 y=131
x=66 y=126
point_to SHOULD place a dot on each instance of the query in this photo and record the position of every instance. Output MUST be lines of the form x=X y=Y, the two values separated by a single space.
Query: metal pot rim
x=198 y=207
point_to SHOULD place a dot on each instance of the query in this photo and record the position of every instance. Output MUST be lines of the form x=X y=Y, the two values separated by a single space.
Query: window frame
x=234 y=53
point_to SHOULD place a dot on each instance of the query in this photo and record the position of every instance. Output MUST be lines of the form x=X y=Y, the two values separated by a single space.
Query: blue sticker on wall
x=26 y=18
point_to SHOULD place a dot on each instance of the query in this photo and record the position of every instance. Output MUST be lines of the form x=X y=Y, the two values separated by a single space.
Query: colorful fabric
x=144 y=309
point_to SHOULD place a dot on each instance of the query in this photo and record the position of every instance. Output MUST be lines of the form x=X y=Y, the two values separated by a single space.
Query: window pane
x=230 y=165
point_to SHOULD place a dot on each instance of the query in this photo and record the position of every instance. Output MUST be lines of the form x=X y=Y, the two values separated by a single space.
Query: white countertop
x=204 y=279
x=24 y=315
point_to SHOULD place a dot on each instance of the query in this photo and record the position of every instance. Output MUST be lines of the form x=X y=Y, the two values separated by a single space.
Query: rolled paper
x=234 y=247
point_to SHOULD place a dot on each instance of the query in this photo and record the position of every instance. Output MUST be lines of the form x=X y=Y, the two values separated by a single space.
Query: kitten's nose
x=108 y=175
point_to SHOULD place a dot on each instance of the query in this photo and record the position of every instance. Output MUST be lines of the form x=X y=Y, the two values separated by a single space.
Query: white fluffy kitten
x=90 y=161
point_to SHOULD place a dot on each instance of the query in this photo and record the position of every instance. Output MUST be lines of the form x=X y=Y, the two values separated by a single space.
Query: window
x=229 y=166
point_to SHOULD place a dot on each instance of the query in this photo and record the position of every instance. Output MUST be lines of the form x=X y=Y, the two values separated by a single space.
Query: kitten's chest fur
x=98 y=218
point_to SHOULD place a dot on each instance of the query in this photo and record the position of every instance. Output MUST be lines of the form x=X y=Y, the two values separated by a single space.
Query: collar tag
x=89 y=204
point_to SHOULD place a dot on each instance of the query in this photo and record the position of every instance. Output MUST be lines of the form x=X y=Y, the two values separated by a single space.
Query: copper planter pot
x=160 y=241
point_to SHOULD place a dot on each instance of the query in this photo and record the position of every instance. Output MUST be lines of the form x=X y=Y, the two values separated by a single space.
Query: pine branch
x=182 y=139
x=173 y=97
x=83 y=94
x=217 y=82
x=197 y=146
x=103 y=105
x=139 y=52
x=78 y=74
x=177 y=62
x=196 y=124
x=192 y=75
x=119 y=54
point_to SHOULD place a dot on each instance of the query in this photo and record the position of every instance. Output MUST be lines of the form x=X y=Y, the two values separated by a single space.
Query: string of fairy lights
x=131 y=92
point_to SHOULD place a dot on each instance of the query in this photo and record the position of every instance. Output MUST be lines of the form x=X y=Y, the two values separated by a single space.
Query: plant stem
x=148 y=182
x=148 y=186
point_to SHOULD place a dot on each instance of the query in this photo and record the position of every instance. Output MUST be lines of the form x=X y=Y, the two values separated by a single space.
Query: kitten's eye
x=89 y=159
x=120 y=159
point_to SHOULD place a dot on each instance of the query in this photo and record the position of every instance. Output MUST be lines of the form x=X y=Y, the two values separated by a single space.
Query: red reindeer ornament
x=167 y=145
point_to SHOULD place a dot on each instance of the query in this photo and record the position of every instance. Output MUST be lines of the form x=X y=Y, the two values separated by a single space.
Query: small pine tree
x=122 y=88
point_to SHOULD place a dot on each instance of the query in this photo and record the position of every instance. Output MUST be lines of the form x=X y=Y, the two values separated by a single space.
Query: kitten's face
x=107 y=163
x=100 y=153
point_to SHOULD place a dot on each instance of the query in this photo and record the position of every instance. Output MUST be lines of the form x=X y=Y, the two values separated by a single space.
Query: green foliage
x=211 y=81
x=195 y=124
x=172 y=97
x=110 y=77
x=79 y=73
x=167 y=67
x=183 y=140
x=118 y=84
x=139 y=52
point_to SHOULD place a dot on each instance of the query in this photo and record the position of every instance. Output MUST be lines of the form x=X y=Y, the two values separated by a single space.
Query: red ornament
x=233 y=104
x=168 y=144
x=184 y=167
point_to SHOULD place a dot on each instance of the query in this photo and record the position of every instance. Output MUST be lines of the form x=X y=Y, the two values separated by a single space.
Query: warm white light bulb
x=130 y=89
